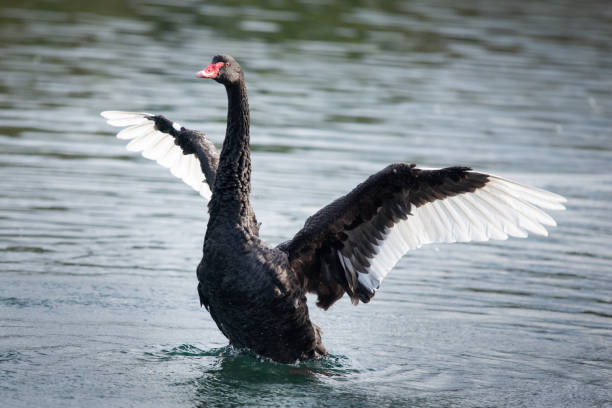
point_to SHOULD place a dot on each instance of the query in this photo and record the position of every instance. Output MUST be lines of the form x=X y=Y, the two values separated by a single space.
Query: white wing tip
x=159 y=146
x=113 y=114
x=544 y=198
x=122 y=118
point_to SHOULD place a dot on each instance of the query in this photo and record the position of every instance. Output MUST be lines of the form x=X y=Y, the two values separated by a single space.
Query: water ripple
x=98 y=247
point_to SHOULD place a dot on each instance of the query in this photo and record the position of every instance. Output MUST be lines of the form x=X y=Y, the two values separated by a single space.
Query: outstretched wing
x=352 y=244
x=187 y=153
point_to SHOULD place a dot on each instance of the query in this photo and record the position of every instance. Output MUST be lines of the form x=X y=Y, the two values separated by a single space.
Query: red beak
x=210 y=71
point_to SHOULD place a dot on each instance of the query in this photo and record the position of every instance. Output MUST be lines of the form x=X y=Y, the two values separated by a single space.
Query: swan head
x=223 y=69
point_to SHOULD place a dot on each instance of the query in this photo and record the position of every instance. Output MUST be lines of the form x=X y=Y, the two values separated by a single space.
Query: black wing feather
x=355 y=224
x=192 y=142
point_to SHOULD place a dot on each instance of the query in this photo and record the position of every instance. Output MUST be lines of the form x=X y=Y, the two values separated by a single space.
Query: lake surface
x=98 y=246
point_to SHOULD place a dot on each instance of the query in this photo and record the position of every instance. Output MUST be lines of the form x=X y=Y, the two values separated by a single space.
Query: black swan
x=255 y=292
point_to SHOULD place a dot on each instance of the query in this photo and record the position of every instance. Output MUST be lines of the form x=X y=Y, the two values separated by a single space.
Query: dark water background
x=98 y=246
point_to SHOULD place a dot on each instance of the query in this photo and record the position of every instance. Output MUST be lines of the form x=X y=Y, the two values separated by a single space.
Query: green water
x=98 y=246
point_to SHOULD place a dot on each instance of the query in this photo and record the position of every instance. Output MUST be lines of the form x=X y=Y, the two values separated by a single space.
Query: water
x=98 y=246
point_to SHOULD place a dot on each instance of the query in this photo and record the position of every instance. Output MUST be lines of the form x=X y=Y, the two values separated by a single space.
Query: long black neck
x=230 y=202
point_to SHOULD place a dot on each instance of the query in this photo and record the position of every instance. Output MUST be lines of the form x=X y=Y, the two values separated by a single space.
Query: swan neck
x=232 y=189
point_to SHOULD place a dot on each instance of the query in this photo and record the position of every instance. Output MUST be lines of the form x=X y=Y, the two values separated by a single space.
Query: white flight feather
x=160 y=149
x=158 y=146
x=499 y=209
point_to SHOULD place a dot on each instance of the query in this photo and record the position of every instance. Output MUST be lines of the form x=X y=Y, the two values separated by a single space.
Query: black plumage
x=256 y=293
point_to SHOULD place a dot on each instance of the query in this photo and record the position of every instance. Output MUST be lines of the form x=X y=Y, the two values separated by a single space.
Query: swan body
x=255 y=292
